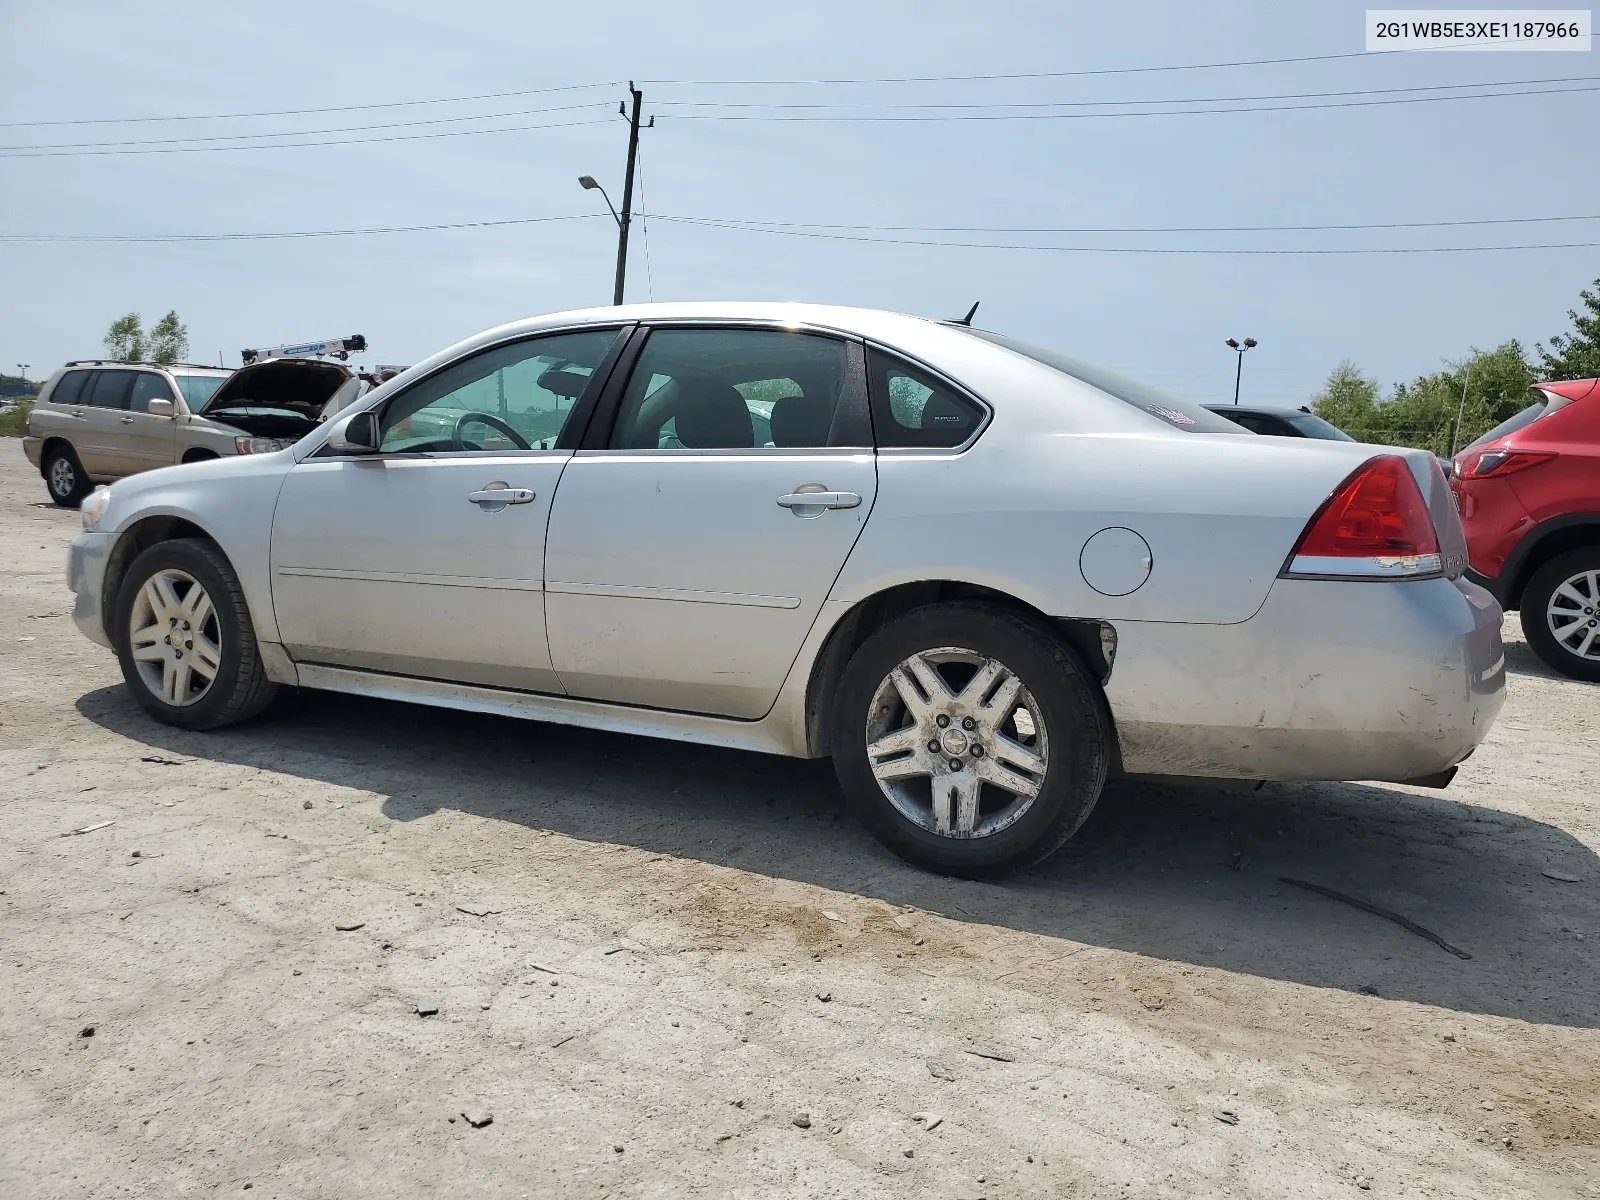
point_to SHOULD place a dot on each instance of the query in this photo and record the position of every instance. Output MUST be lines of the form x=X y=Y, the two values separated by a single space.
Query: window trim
x=582 y=408
x=850 y=432
x=893 y=353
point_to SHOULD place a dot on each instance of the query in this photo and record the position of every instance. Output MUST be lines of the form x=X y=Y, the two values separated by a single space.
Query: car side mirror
x=359 y=435
x=159 y=408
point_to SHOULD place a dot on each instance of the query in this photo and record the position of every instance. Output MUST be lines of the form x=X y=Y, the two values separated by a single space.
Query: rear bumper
x=1329 y=680
x=1495 y=586
x=34 y=448
x=86 y=575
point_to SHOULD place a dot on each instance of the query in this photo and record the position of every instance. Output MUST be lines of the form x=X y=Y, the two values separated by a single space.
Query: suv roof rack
x=123 y=362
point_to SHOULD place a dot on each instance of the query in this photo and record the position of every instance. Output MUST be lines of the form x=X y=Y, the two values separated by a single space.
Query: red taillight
x=1490 y=463
x=1374 y=526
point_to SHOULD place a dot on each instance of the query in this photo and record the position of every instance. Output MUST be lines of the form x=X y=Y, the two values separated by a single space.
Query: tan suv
x=98 y=421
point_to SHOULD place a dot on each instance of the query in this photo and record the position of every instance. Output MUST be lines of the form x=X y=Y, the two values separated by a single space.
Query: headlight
x=94 y=508
x=255 y=445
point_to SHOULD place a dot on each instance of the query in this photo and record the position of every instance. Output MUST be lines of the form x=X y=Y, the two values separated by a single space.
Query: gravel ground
x=649 y=960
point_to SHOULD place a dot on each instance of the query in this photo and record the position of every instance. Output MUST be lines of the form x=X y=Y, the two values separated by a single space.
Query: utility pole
x=626 y=217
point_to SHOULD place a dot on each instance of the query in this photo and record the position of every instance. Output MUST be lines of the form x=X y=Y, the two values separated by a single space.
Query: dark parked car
x=1281 y=422
x=1529 y=494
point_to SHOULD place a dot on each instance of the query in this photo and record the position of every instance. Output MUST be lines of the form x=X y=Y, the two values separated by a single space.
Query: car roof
x=175 y=368
x=1572 y=389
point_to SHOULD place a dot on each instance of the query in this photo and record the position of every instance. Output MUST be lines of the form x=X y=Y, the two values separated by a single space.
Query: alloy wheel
x=1573 y=615
x=957 y=743
x=175 y=637
x=63 y=478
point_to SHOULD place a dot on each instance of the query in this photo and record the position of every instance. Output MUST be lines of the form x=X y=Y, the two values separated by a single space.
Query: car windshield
x=197 y=389
x=1314 y=426
x=1547 y=403
x=1180 y=414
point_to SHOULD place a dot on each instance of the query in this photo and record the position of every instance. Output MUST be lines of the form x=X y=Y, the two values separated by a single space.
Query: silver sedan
x=980 y=575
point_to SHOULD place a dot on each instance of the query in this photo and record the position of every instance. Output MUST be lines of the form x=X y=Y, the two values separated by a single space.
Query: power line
x=306 y=233
x=236 y=137
x=399 y=137
x=793 y=230
x=1257 y=62
x=1137 y=228
x=303 y=112
x=841 y=237
x=1080 y=116
x=1035 y=104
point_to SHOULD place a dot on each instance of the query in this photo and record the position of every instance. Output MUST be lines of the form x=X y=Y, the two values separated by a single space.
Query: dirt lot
x=649 y=959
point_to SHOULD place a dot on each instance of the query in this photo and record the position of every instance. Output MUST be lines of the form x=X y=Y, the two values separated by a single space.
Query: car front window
x=197 y=389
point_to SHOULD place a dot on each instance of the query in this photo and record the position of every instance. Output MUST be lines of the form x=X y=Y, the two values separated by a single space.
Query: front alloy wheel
x=185 y=641
x=969 y=738
x=175 y=638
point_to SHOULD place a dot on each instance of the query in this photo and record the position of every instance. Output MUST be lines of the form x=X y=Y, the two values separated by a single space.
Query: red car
x=1529 y=492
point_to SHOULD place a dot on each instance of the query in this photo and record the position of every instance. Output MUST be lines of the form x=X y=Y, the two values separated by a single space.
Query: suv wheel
x=969 y=739
x=184 y=638
x=65 y=478
x=1561 y=613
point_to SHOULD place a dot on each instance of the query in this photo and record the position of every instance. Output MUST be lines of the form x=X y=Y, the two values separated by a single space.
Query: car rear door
x=101 y=408
x=687 y=559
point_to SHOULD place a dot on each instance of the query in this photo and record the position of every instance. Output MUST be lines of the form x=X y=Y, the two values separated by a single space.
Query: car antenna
x=967 y=320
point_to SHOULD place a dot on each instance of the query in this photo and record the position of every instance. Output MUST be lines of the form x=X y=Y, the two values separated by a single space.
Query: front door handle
x=812 y=500
x=492 y=497
x=127 y=420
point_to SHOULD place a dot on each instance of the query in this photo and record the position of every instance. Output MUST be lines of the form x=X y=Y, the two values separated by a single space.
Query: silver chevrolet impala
x=979 y=574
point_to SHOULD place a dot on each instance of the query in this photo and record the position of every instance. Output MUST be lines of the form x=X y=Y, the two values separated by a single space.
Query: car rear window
x=1545 y=404
x=1179 y=414
x=69 y=388
x=1314 y=426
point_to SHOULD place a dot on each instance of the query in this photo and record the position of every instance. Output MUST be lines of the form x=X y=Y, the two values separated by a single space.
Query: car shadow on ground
x=1189 y=874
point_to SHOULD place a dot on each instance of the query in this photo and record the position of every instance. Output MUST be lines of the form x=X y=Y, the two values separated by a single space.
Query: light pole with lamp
x=22 y=369
x=1239 y=348
x=625 y=217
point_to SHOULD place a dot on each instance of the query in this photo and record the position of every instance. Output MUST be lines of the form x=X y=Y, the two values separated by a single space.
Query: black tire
x=240 y=688
x=1536 y=598
x=1069 y=701
x=64 y=477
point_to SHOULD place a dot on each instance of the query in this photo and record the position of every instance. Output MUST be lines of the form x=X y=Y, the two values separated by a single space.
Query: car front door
x=427 y=557
x=694 y=539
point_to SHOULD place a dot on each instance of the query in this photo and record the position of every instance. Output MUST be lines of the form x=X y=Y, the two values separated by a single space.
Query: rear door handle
x=492 y=497
x=798 y=501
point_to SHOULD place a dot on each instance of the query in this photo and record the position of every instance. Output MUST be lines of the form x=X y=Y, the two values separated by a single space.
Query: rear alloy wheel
x=1561 y=613
x=970 y=739
x=184 y=638
x=65 y=478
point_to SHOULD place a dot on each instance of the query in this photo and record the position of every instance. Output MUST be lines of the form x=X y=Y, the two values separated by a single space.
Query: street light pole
x=625 y=217
x=22 y=369
x=1238 y=349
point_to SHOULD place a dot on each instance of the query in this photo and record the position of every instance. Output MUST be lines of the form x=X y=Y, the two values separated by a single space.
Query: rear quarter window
x=1170 y=410
x=69 y=388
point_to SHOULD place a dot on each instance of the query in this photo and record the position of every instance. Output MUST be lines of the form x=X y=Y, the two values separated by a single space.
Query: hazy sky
x=1162 y=317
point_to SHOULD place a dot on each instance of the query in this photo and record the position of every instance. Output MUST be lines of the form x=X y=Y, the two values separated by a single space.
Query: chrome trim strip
x=469 y=581
x=625 y=591
x=1412 y=566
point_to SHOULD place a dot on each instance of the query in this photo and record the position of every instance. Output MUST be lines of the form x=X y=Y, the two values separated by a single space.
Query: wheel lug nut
x=977 y=752
x=934 y=746
x=943 y=720
x=968 y=723
x=955 y=764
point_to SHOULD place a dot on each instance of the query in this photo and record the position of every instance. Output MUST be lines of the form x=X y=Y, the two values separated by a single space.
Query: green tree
x=169 y=340
x=1576 y=355
x=1420 y=413
x=125 y=339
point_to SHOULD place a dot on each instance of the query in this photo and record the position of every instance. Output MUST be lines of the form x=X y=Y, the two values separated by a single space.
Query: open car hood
x=292 y=386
